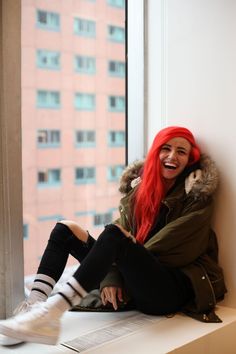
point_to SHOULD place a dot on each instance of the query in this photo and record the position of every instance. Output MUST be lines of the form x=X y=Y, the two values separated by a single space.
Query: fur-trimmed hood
x=200 y=183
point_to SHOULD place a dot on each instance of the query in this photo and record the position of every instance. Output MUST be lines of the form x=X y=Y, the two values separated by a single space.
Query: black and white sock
x=70 y=295
x=41 y=288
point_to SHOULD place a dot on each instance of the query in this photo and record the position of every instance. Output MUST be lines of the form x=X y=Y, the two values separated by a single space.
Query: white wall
x=192 y=82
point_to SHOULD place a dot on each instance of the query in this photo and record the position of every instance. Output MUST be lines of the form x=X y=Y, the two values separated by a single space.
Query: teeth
x=170 y=165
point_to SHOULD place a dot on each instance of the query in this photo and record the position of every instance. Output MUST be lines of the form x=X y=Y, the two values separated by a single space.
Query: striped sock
x=41 y=288
x=70 y=295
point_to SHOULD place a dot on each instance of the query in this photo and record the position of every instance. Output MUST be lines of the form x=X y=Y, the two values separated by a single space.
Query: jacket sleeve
x=113 y=278
x=183 y=240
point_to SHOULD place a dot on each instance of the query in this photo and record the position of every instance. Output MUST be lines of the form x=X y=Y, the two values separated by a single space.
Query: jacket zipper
x=209 y=281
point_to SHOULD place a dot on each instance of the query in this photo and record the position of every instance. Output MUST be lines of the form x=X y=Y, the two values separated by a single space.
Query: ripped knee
x=80 y=233
x=68 y=223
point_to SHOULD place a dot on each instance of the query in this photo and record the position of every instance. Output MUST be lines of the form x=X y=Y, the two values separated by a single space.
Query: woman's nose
x=172 y=154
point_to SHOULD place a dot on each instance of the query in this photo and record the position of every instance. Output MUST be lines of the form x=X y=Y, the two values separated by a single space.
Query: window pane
x=84 y=64
x=48 y=99
x=116 y=33
x=84 y=27
x=47 y=59
x=85 y=101
x=73 y=117
x=47 y=20
x=116 y=68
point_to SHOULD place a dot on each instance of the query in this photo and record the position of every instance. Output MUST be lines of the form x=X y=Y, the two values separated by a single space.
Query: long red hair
x=151 y=190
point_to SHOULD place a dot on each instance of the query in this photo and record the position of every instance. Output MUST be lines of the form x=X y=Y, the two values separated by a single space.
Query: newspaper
x=110 y=332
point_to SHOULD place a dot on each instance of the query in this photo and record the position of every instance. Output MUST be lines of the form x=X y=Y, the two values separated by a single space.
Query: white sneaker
x=7 y=341
x=39 y=325
x=23 y=307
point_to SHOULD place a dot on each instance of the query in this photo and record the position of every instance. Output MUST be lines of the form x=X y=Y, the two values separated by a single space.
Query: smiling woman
x=160 y=256
x=174 y=157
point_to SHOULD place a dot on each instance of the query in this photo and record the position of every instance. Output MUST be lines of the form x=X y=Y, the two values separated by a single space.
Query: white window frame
x=157 y=59
x=136 y=90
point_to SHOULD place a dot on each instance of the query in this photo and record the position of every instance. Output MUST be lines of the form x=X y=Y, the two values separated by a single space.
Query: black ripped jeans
x=154 y=288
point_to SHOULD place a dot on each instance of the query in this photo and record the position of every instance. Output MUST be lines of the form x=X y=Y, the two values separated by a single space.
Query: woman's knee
x=78 y=231
x=111 y=233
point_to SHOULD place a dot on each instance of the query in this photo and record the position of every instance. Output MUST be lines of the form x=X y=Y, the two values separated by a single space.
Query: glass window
x=84 y=64
x=102 y=219
x=114 y=172
x=116 y=68
x=85 y=138
x=48 y=138
x=47 y=59
x=48 y=20
x=84 y=27
x=116 y=138
x=85 y=101
x=65 y=117
x=116 y=3
x=48 y=99
x=49 y=177
x=116 y=34
x=85 y=175
x=116 y=103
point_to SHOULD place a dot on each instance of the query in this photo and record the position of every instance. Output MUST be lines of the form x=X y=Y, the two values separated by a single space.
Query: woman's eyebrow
x=181 y=148
x=178 y=147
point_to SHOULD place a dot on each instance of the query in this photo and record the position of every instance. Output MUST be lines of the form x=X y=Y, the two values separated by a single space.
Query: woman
x=161 y=252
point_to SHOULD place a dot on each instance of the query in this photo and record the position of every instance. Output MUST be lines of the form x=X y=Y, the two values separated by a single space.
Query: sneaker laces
x=24 y=306
x=31 y=315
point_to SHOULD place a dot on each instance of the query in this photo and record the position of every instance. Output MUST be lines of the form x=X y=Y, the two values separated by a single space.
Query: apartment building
x=73 y=116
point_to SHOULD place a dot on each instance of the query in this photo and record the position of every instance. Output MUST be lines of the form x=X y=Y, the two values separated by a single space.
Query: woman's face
x=174 y=156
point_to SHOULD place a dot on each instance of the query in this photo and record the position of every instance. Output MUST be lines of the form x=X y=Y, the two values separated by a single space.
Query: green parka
x=187 y=240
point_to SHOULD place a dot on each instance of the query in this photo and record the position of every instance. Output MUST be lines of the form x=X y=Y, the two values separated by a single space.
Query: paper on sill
x=111 y=332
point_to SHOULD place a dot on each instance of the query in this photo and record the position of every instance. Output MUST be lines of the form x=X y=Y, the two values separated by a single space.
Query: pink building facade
x=73 y=116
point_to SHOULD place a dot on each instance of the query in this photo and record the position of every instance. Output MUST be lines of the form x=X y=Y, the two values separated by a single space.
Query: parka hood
x=200 y=183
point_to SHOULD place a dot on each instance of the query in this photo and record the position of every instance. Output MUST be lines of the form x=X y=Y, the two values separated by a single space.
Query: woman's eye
x=165 y=148
x=181 y=152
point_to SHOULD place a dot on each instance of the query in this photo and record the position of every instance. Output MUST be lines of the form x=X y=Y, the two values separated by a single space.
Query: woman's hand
x=112 y=294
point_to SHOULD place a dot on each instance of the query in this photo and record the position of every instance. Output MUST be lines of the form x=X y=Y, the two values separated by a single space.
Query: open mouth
x=170 y=166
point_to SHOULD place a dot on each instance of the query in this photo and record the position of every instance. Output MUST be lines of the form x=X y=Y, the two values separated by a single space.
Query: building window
x=84 y=64
x=116 y=3
x=55 y=217
x=48 y=178
x=116 y=34
x=85 y=138
x=102 y=219
x=47 y=59
x=114 y=172
x=84 y=27
x=25 y=231
x=85 y=101
x=85 y=175
x=116 y=138
x=48 y=99
x=116 y=68
x=116 y=103
x=48 y=20
x=48 y=138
